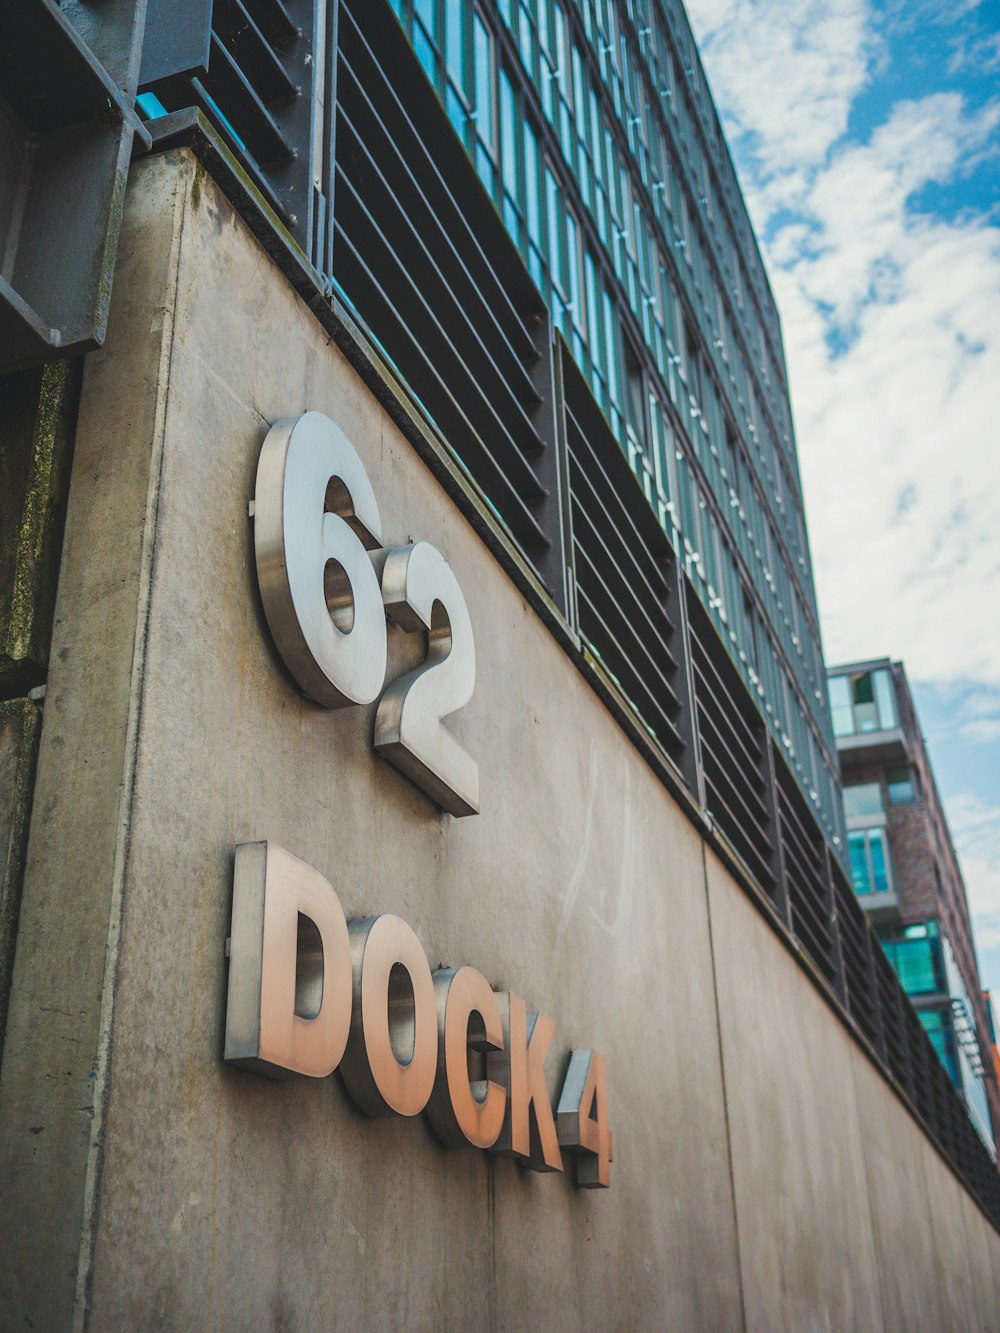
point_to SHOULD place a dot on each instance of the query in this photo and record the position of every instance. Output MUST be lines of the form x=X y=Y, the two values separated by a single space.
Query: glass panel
x=901 y=786
x=483 y=83
x=425 y=53
x=426 y=12
x=859 y=863
x=533 y=206
x=864 y=799
x=454 y=19
x=880 y=860
x=840 y=705
x=917 y=960
x=885 y=698
x=937 y=1025
x=508 y=135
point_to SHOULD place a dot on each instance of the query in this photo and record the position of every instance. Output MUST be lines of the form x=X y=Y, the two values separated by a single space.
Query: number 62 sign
x=328 y=584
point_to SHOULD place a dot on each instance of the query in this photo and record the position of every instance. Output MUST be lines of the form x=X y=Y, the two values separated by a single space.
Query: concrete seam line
x=722 y=1077
x=95 y=1154
x=866 y=1159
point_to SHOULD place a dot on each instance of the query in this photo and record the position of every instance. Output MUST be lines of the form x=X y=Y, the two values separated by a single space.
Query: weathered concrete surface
x=52 y=1081
x=19 y=728
x=806 y=1244
x=901 y=1208
x=192 y=1196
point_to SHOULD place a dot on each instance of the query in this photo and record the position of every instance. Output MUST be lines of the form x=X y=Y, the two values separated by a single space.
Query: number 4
x=582 y=1119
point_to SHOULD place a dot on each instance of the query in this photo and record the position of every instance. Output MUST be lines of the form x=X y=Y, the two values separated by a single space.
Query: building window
x=484 y=133
x=863 y=799
x=915 y=952
x=938 y=1025
x=869 y=861
x=902 y=785
x=862 y=702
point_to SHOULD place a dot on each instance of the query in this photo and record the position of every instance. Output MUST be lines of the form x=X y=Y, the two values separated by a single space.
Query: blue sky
x=867 y=140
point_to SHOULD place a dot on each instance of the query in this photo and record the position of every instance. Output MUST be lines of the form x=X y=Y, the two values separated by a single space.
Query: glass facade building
x=592 y=129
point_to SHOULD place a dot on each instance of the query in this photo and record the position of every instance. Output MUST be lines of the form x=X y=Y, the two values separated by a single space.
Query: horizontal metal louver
x=856 y=952
x=249 y=66
x=733 y=741
x=421 y=256
x=803 y=857
x=625 y=572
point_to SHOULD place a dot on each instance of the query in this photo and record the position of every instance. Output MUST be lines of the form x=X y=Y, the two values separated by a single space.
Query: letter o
x=390 y=1061
x=461 y=1112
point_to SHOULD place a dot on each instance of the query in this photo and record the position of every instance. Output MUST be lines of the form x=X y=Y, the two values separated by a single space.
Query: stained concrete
x=19 y=728
x=902 y=1208
x=806 y=1244
x=167 y=1190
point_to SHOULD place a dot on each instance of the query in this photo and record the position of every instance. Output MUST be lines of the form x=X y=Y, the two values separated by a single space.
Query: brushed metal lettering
x=289 y=995
x=315 y=514
x=529 y=1130
x=464 y=1111
x=421 y=593
x=582 y=1119
x=391 y=1057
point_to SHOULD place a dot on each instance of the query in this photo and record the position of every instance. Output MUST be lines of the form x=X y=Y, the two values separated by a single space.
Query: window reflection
x=901 y=786
x=862 y=702
x=869 y=856
x=915 y=952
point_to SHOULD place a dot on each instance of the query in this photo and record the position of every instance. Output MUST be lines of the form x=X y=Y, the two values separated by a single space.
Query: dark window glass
x=861 y=689
x=902 y=786
x=863 y=699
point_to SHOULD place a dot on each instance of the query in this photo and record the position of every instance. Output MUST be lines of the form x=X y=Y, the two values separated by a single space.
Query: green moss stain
x=31 y=567
x=196 y=184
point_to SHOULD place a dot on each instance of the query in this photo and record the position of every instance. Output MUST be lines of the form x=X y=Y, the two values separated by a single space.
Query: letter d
x=289 y=1005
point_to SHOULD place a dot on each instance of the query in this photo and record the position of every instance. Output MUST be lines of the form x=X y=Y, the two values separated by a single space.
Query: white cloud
x=784 y=74
x=891 y=334
x=975 y=827
x=897 y=432
x=978 y=717
x=980 y=55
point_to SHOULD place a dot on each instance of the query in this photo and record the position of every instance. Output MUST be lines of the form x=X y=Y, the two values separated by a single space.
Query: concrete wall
x=20 y=724
x=765 y=1175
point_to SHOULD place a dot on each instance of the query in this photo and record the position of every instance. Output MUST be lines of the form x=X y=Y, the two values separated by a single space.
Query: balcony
x=885 y=746
x=866 y=716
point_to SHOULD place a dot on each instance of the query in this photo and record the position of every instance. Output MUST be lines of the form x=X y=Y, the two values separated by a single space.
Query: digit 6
x=315 y=518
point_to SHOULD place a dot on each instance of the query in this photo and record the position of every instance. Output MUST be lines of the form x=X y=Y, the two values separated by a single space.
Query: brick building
x=906 y=874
